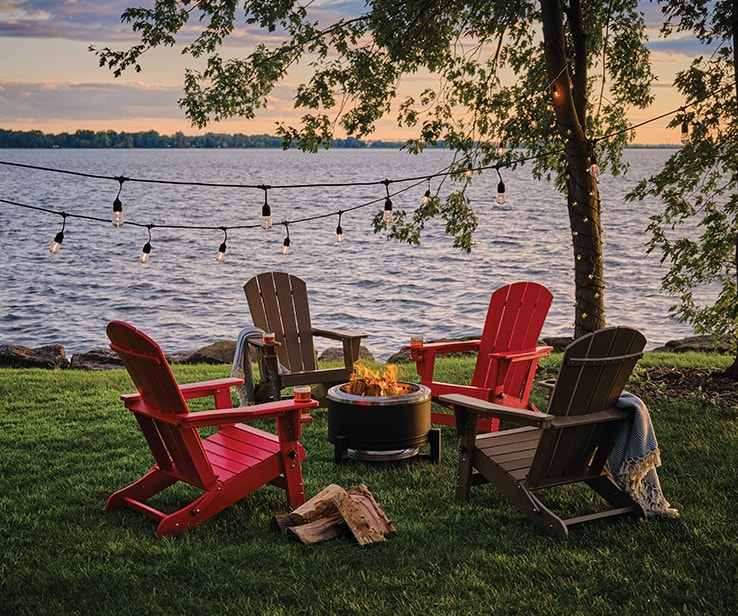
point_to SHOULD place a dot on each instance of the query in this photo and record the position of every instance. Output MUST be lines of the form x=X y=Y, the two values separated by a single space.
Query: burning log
x=368 y=382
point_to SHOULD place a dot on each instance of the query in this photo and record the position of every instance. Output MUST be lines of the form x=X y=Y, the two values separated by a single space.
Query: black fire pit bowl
x=380 y=428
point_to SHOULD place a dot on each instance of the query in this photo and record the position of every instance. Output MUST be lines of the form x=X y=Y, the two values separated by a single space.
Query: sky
x=50 y=81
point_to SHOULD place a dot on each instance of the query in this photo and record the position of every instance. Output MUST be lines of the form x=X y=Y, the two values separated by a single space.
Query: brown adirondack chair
x=279 y=304
x=231 y=463
x=507 y=353
x=568 y=444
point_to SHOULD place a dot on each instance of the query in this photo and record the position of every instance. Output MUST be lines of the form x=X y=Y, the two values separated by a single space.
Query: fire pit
x=381 y=427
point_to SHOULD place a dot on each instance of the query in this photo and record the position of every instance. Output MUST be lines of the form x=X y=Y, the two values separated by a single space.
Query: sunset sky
x=49 y=81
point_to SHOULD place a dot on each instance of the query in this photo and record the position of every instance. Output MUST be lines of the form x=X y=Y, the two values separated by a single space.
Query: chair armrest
x=196 y=390
x=335 y=334
x=208 y=388
x=536 y=353
x=611 y=414
x=442 y=348
x=202 y=419
x=490 y=409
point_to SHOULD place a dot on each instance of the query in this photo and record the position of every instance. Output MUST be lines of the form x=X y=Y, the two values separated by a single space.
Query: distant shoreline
x=111 y=140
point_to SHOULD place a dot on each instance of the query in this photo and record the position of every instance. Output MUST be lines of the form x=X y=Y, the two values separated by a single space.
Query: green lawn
x=67 y=443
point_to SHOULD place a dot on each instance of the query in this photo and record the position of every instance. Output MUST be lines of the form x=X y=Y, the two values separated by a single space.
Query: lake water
x=185 y=300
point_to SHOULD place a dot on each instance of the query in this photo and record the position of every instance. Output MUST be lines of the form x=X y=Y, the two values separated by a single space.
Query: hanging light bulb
x=59 y=237
x=594 y=168
x=685 y=133
x=339 y=229
x=500 y=148
x=501 y=197
x=222 y=248
x=533 y=122
x=266 y=212
x=387 y=205
x=469 y=171
x=146 y=250
x=286 y=243
x=118 y=205
x=117 y=213
x=388 y=211
x=427 y=196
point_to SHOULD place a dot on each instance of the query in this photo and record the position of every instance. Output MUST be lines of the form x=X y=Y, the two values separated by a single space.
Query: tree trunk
x=569 y=99
x=732 y=370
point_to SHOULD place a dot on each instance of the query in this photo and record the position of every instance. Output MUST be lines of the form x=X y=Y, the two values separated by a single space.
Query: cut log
x=321 y=529
x=334 y=512
x=320 y=504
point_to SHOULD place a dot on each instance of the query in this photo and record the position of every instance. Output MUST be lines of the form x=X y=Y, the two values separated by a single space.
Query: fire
x=368 y=382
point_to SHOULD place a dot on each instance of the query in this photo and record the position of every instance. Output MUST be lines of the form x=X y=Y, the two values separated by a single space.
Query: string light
x=59 y=237
x=266 y=212
x=594 y=168
x=339 y=229
x=501 y=198
x=501 y=148
x=427 y=196
x=118 y=205
x=146 y=250
x=286 y=243
x=387 y=205
x=222 y=248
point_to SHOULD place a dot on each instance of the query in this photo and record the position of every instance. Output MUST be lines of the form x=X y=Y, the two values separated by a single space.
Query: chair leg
x=608 y=489
x=340 y=449
x=140 y=491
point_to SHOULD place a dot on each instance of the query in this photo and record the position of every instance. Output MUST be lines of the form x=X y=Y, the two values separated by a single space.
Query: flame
x=368 y=382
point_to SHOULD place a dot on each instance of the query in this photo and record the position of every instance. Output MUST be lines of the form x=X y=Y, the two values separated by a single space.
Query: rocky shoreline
x=221 y=352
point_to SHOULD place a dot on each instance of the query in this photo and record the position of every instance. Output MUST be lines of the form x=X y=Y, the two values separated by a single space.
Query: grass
x=67 y=443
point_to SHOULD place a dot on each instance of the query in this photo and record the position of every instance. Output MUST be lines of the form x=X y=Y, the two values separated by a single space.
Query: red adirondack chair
x=231 y=463
x=507 y=355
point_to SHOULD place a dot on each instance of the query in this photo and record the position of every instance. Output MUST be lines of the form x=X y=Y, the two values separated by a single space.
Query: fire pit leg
x=340 y=449
x=434 y=439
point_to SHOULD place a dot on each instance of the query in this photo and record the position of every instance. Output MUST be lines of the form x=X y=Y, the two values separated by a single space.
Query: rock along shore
x=221 y=352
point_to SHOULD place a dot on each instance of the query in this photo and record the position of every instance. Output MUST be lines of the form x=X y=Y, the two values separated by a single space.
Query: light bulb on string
x=118 y=205
x=500 y=148
x=427 y=196
x=594 y=168
x=286 y=243
x=59 y=237
x=339 y=229
x=146 y=250
x=222 y=248
x=501 y=197
x=685 y=133
x=533 y=122
x=266 y=212
x=387 y=205
x=469 y=171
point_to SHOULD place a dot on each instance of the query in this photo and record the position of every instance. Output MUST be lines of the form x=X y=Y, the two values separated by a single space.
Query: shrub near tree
x=697 y=233
x=542 y=81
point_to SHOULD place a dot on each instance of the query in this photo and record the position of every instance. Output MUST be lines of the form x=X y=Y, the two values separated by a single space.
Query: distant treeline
x=152 y=139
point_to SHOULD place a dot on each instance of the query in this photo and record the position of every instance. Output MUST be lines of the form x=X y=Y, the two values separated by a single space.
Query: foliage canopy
x=506 y=82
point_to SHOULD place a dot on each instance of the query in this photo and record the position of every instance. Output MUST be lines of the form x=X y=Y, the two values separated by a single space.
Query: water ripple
x=185 y=300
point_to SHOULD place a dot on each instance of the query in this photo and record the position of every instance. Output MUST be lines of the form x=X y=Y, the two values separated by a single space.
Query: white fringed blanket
x=635 y=457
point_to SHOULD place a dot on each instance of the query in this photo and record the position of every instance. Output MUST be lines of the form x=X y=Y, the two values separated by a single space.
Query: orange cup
x=302 y=393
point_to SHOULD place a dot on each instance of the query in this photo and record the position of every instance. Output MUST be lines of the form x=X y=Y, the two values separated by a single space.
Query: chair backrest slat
x=176 y=449
x=593 y=373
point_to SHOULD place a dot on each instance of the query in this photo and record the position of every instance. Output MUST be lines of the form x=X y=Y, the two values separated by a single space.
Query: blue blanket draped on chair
x=635 y=457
